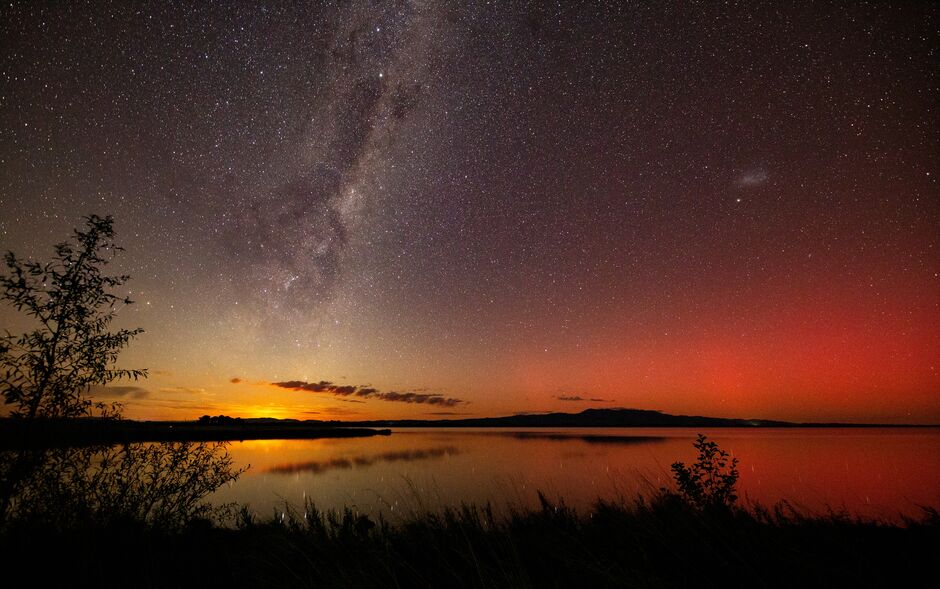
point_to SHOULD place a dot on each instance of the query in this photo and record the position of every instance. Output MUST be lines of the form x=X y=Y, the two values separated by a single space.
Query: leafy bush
x=710 y=481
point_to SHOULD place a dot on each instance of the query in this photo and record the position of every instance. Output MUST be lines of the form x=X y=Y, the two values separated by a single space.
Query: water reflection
x=164 y=484
x=872 y=472
x=589 y=438
x=318 y=467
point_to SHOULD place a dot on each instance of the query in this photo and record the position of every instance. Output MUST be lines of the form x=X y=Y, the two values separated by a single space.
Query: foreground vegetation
x=662 y=542
x=134 y=515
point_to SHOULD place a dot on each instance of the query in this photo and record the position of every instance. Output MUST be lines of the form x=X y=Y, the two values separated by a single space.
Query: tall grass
x=663 y=541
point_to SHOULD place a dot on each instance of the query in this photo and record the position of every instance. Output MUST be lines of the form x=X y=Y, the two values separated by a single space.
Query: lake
x=883 y=472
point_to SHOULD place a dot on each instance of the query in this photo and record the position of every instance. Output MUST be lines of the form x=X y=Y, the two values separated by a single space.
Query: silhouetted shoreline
x=15 y=433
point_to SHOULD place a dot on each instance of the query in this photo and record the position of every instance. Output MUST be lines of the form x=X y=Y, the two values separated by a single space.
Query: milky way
x=727 y=209
x=293 y=239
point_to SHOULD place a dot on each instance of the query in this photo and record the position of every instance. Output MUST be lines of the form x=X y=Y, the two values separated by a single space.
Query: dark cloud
x=404 y=99
x=325 y=386
x=425 y=398
x=235 y=380
x=431 y=399
x=119 y=392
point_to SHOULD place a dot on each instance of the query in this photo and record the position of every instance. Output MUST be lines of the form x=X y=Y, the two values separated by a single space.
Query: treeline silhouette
x=219 y=420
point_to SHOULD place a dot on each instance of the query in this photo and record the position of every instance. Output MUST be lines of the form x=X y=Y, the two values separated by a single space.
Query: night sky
x=346 y=211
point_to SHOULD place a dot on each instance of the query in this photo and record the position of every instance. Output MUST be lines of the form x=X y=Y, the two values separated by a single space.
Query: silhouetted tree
x=47 y=372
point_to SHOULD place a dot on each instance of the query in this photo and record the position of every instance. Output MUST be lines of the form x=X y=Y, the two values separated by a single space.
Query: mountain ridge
x=597 y=417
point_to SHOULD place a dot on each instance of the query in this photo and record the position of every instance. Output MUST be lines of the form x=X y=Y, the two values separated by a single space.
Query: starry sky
x=395 y=209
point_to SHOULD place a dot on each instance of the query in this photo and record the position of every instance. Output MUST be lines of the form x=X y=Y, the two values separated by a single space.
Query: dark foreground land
x=662 y=543
x=20 y=433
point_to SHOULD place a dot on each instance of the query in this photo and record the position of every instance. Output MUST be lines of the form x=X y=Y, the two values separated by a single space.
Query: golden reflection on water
x=869 y=472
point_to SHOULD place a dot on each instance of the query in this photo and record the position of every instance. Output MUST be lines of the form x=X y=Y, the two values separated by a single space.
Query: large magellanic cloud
x=751 y=178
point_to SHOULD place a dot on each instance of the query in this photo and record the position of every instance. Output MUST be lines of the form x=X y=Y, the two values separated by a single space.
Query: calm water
x=872 y=472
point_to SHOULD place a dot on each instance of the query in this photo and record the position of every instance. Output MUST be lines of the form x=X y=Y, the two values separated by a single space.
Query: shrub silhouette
x=710 y=481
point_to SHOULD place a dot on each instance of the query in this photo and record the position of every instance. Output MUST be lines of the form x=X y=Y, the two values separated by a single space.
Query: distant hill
x=586 y=418
x=603 y=418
